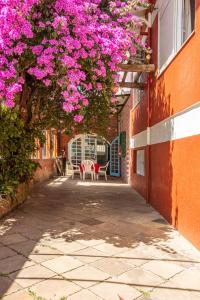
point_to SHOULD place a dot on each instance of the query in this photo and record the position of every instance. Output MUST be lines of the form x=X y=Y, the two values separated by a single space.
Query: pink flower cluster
x=77 y=44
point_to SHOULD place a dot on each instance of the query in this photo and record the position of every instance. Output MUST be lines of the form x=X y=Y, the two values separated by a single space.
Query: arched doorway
x=88 y=146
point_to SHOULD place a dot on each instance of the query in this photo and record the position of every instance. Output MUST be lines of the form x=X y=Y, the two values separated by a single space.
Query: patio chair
x=73 y=169
x=103 y=171
x=88 y=168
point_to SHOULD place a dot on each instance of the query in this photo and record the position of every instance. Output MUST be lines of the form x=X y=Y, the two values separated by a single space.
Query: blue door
x=114 y=158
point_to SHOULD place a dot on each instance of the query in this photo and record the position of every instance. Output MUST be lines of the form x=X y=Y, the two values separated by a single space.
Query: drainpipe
x=148 y=165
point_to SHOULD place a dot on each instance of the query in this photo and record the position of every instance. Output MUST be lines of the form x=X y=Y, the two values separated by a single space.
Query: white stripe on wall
x=181 y=125
x=139 y=140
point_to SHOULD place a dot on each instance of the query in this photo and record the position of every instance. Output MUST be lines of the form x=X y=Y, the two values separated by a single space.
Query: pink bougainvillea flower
x=77 y=46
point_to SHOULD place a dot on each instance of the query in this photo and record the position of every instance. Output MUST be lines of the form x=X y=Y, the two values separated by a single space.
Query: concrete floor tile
x=112 y=291
x=177 y=294
x=21 y=295
x=6 y=252
x=110 y=249
x=89 y=255
x=14 y=263
x=62 y=264
x=55 y=288
x=86 y=276
x=188 y=279
x=112 y=266
x=141 y=279
x=68 y=247
x=12 y=239
x=90 y=241
x=29 y=276
x=84 y=295
x=8 y=286
x=162 y=268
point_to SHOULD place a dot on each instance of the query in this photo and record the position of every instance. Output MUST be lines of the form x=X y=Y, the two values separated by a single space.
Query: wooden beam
x=137 y=68
x=132 y=85
x=124 y=77
x=123 y=95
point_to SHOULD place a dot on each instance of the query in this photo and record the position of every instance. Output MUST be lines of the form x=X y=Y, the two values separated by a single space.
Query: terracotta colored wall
x=47 y=169
x=175 y=191
x=138 y=182
x=174 y=166
x=178 y=87
x=139 y=116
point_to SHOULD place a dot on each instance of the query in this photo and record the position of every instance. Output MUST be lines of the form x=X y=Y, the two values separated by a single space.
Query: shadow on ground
x=86 y=235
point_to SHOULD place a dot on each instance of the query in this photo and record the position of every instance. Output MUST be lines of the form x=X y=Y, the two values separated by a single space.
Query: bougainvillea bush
x=59 y=60
x=69 y=48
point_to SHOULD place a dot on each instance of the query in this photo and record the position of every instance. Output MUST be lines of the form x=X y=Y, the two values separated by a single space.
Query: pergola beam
x=137 y=68
x=132 y=85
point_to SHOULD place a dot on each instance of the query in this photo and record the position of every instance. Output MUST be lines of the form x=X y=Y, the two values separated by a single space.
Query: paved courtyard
x=89 y=241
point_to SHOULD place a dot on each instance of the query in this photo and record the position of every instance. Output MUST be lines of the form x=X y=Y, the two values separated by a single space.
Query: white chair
x=88 y=168
x=103 y=171
x=73 y=169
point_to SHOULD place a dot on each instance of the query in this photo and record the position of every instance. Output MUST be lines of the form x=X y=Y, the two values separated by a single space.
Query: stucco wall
x=173 y=157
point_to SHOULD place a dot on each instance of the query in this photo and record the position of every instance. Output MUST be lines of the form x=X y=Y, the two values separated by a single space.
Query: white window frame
x=83 y=137
x=178 y=44
x=139 y=164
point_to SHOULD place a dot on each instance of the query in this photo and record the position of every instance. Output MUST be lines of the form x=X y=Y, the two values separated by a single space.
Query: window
x=88 y=147
x=44 y=147
x=188 y=18
x=176 y=23
x=139 y=94
x=140 y=162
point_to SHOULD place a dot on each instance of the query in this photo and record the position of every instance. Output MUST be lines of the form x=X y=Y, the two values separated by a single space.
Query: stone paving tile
x=112 y=266
x=163 y=269
x=12 y=239
x=140 y=279
x=36 y=252
x=68 y=247
x=89 y=255
x=6 y=252
x=188 y=279
x=21 y=295
x=112 y=291
x=90 y=241
x=174 y=294
x=47 y=229
x=29 y=276
x=62 y=264
x=86 y=276
x=110 y=249
x=55 y=288
x=84 y=295
x=14 y=263
x=8 y=286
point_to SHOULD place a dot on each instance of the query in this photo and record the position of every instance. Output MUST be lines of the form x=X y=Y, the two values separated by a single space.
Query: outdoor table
x=96 y=167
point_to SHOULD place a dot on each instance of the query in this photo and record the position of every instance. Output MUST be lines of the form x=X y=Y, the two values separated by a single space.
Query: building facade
x=165 y=118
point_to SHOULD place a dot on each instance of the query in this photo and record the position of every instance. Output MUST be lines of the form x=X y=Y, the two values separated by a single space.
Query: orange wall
x=137 y=182
x=174 y=166
x=175 y=173
x=178 y=87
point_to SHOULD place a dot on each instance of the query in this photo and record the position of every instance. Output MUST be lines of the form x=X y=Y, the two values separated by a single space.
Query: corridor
x=75 y=240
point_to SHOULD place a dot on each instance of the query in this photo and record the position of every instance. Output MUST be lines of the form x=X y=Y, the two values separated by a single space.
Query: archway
x=88 y=146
